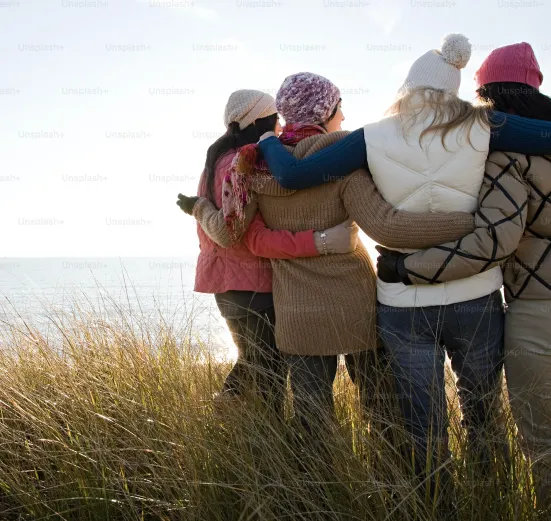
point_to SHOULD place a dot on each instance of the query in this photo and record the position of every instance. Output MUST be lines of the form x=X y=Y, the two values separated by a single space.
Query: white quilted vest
x=430 y=179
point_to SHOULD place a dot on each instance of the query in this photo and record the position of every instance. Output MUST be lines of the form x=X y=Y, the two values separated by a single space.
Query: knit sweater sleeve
x=329 y=164
x=214 y=225
x=517 y=134
x=261 y=240
x=500 y=223
x=397 y=228
x=514 y=133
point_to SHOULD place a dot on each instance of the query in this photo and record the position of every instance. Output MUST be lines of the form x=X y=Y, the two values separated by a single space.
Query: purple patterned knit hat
x=307 y=98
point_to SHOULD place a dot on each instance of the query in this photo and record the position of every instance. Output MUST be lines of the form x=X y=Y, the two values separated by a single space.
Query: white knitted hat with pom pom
x=440 y=69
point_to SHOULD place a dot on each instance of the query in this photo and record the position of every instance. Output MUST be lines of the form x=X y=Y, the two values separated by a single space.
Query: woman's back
x=234 y=268
x=527 y=275
x=325 y=305
x=434 y=177
x=416 y=171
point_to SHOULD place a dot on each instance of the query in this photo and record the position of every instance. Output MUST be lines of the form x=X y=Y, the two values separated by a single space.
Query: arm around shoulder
x=211 y=219
x=518 y=134
x=340 y=156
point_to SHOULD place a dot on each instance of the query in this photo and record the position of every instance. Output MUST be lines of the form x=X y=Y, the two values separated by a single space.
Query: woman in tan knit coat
x=325 y=306
x=241 y=281
x=515 y=203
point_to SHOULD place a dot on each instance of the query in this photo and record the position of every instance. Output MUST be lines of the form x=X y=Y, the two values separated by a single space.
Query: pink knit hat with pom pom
x=515 y=63
x=307 y=98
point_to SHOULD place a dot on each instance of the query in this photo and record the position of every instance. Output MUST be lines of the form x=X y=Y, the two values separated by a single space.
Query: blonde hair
x=447 y=110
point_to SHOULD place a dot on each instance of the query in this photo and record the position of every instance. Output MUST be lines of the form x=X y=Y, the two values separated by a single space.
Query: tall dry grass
x=116 y=422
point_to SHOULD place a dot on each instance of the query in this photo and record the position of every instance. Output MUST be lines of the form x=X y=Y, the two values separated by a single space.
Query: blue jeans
x=416 y=341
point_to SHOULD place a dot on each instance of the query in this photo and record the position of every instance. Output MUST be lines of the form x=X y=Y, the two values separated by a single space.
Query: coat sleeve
x=397 y=228
x=500 y=222
x=279 y=244
x=261 y=240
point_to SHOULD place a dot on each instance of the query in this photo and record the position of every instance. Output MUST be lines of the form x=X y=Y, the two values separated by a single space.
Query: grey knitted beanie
x=246 y=106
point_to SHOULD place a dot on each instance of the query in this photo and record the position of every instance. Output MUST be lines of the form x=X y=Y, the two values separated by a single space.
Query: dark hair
x=516 y=98
x=233 y=139
x=323 y=123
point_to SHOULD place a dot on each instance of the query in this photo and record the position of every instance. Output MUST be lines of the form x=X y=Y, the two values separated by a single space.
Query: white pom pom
x=456 y=50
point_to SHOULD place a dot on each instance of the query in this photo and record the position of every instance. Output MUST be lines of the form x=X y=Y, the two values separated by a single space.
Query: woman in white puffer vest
x=430 y=156
x=515 y=202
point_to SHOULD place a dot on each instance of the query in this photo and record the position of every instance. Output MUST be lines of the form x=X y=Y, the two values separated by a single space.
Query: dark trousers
x=260 y=370
x=312 y=379
x=416 y=341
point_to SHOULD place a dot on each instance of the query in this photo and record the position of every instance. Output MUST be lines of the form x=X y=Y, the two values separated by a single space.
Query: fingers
x=352 y=226
x=182 y=200
x=349 y=223
x=385 y=252
x=382 y=250
x=354 y=230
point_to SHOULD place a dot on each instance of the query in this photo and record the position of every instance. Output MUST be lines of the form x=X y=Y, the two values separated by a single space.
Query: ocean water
x=158 y=290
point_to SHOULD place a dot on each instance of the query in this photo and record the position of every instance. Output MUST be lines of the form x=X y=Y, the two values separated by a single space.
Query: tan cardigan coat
x=326 y=305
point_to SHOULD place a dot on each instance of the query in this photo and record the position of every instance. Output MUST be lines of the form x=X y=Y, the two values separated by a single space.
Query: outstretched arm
x=513 y=133
x=329 y=164
x=500 y=222
x=523 y=135
x=396 y=228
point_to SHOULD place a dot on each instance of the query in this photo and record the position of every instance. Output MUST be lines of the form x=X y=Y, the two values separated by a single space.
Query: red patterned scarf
x=247 y=166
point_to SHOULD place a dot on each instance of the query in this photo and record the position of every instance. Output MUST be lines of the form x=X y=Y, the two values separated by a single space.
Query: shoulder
x=387 y=121
x=360 y=177
x=314 y=144
x=223 y=164
x=506 y=160
x=538 y=170
x=225 y=160
x=517 y=165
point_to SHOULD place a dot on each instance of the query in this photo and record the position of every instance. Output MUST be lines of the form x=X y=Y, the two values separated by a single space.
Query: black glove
x=391 y=266
x=186 y=203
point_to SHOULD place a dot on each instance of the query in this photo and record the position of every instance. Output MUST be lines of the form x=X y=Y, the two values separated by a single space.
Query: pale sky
x=108 y=106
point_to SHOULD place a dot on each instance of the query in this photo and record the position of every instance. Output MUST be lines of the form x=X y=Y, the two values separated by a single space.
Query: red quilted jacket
x=238 y=268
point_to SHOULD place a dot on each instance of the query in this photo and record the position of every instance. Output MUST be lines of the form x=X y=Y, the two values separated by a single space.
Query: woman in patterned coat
x=509 y=78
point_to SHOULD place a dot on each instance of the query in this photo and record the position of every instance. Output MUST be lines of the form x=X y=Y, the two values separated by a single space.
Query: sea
x=41 y=292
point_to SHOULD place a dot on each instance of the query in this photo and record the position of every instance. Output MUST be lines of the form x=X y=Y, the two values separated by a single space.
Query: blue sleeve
x=338 y=160
x=523 y=135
